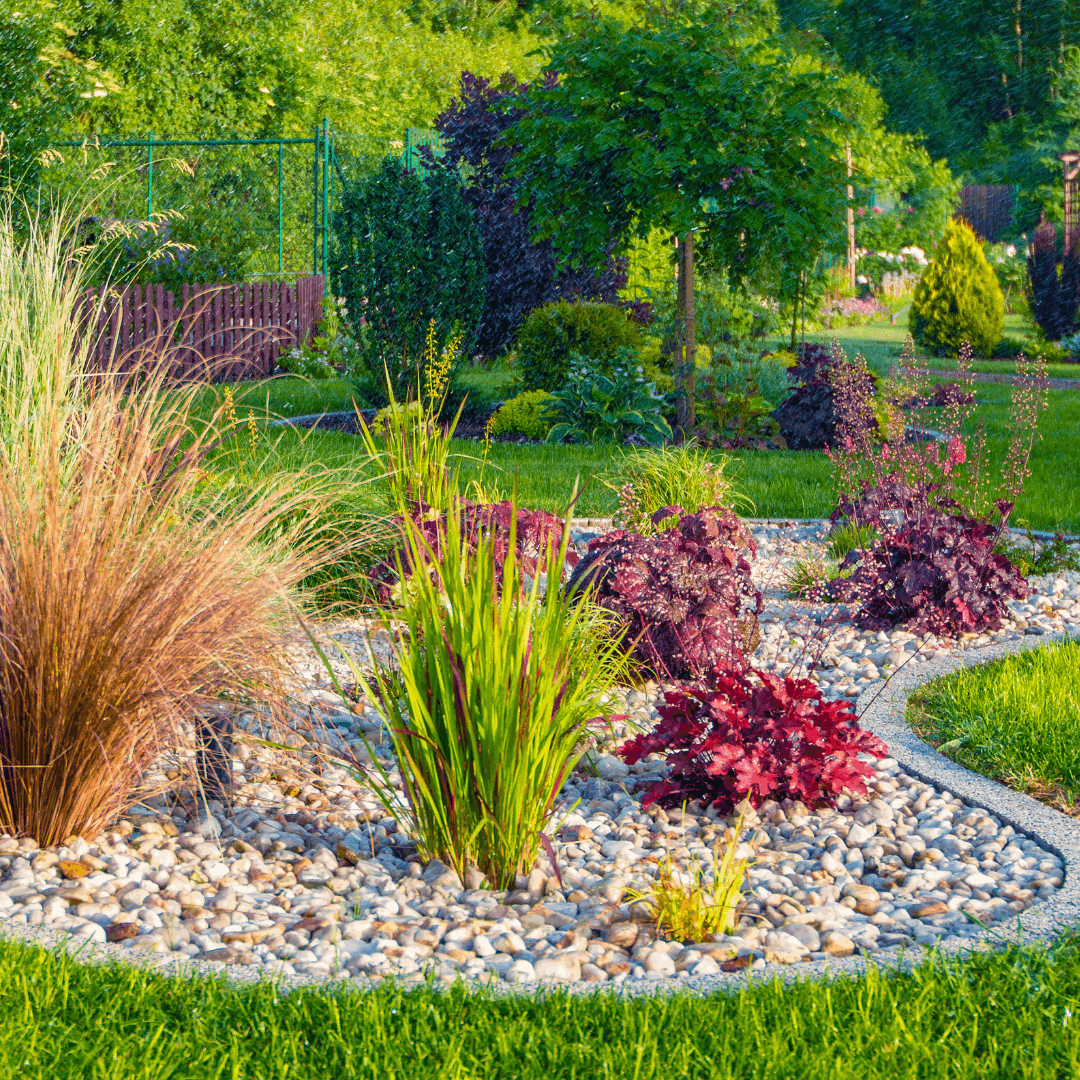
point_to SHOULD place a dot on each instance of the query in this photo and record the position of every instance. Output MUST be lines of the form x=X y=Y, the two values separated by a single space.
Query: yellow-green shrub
x=552 y=332
x=958 y=297
x=524 y=415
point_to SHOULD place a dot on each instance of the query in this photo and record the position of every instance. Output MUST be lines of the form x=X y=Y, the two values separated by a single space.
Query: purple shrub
x=522 y=274
x=684 y=596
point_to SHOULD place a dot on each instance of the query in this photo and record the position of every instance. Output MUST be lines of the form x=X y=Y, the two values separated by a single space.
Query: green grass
x=1016 y=720
x=1006 y=1015
x=779 y=483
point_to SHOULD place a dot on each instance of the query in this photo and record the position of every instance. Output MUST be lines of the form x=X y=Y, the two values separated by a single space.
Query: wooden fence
x=987 y=208
x=226 y=331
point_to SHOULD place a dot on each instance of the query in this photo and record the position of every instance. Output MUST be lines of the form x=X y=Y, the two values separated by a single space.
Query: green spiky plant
x=958 y=297
x=488 y=700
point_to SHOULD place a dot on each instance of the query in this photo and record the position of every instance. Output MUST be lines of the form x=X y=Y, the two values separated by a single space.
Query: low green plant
x=408 y=442
x=809 y=578
x=732 y=418
x=687 y=908
x=554 y=334
x=525 y=415
x=594 y=408
x=650 y=479
x=743 y=371
x=1035 y=556
x=958 y=297
x=327 y=353
x=490 y=705
x=852 y=536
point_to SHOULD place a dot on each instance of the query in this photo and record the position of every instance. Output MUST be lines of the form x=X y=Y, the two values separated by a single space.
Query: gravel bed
x=308 y=880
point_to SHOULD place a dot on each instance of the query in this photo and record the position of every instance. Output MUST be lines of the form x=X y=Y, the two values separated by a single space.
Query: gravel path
x=309 y=880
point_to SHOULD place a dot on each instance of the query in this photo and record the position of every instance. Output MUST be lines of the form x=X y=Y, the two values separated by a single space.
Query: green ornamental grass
x=488 y=700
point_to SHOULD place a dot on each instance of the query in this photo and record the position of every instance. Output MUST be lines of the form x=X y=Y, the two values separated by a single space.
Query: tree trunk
x=684 y=349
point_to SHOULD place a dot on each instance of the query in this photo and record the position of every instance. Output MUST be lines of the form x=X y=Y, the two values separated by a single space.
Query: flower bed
x=312 y=877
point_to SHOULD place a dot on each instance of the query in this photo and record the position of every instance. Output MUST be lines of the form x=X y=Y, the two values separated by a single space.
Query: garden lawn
x=776 y=483
x=1006 y=1015
x=1016 y=720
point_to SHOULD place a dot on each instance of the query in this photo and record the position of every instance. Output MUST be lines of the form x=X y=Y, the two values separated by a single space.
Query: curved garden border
x=881 y=711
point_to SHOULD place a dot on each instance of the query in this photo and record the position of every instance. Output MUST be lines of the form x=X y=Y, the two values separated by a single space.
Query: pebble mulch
x=308 y=875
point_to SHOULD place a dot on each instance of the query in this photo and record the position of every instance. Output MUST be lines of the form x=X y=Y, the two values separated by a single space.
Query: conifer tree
x=958 y=297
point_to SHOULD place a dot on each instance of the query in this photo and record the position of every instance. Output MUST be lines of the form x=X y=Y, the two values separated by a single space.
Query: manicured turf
x=1007 y=1016
x=1016 y=720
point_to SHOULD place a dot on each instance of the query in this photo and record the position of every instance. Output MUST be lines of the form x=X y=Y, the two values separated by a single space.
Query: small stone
x=867 y=899
x=224 y=900
x=933 y=907
x=592 y=973
x=559 y=968
x=474 y=879
x=121 y=931
x=836 y=944
x=73 y=870
x=521 y=971
x=658 y=962
x=509 y=943
x=622 y=935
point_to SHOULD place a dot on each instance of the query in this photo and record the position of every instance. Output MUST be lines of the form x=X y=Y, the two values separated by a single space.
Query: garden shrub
x=958 y=297
x=621 y=407
x=933 y=565
x=525 y=415
x=936 y=573
x=807 y=418
x=754 y=736
x=554 y=332
x=521 y=273
x=683 y=597
x=406 y=252
x=1053 y=297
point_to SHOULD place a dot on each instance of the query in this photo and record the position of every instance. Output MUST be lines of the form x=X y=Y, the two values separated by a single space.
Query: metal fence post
x=280 y=208
x=149 y=175
x=325 y=199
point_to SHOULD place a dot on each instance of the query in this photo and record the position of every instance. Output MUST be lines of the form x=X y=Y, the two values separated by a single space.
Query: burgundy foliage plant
x=536 y=532
x=937 y=572
x=684 y=596
x=521 y=274
x=937 y=515
x=755 y=736
x=1053 y=297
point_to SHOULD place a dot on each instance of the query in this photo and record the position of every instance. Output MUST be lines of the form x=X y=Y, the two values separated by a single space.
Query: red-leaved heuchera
x=755 y=736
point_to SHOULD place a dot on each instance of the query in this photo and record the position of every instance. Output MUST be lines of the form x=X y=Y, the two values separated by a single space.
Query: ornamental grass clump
x=409 y=443
x=488 y=699
x=130 y=598
x=647 y=480
x=685 y=906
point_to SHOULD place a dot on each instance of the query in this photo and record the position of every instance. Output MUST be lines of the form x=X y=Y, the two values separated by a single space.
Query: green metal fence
x=236 y=209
